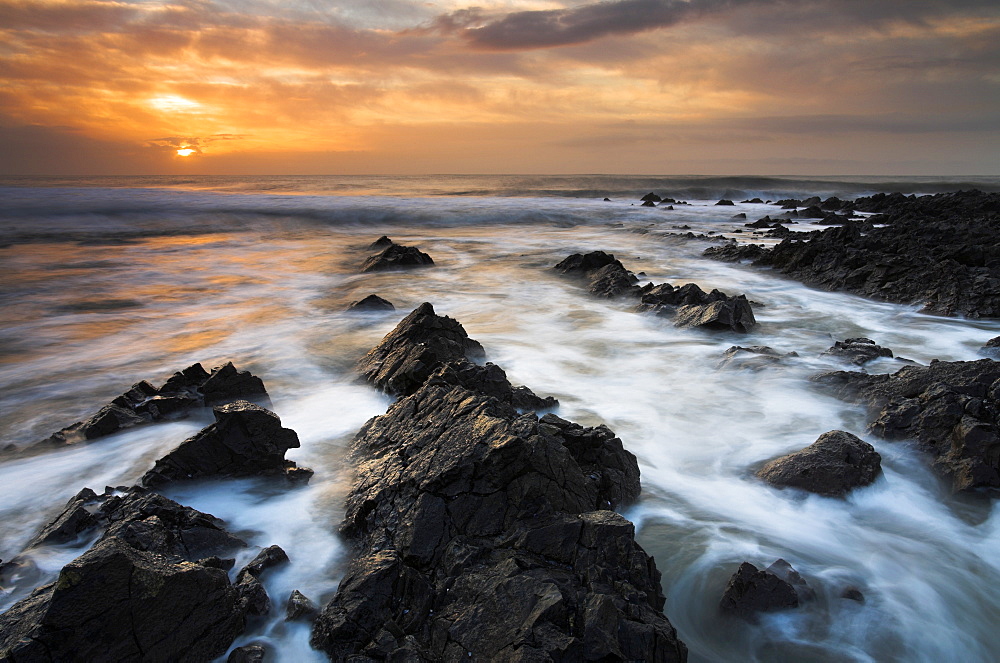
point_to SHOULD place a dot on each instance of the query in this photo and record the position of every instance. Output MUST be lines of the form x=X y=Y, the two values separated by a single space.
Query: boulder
x=606 y=275
x=249 y=654
x=245 y=440
x=140 y=592
x=651 y=198
x=725 y=202
x=419 y=344
x=753 y=358
x=858 y=351
x=756 y=201
x=649 y=203
x=395 y=256
x=951 y=409
x=733 y=314
x=186 y=390
x=833 y=465
x=751 y=590
x=381 y=243
x=371 y=303
x=299 y=606
x=991 y=349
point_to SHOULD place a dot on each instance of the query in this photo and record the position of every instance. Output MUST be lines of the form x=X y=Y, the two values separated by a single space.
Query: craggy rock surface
x=245 y=440
x=371 y=303
x=194 y=387
x=420 y=343
x=833 y=465
x=395 y=256
x=991 y=348
x=940 y=251
x=691 y=306
x=751 y=590
x=485 y=534
x=951 y=408
x=858 y=351
x=151 y=588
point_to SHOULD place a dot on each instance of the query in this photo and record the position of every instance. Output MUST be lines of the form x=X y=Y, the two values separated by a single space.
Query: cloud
x=173 y=143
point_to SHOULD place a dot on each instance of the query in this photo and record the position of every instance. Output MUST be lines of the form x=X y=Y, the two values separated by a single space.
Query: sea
x=112 y=280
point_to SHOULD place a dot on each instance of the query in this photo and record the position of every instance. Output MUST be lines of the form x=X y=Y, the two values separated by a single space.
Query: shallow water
x=105 y=287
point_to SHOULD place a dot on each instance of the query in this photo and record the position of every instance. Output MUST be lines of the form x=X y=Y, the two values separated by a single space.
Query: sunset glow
x=504 y=86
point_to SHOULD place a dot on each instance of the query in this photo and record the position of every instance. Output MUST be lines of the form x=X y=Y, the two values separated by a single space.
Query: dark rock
x=649 y=203
x=483 y=533
x=248 y=583
x=750 y=590
x=381 y=243
x=725 y=202
x=812 y=212
x=833 y=203
x=419 y=344
x=735 y=252
x=245 y=440
x=754 y=358
x=757 y=201
x=991 y=349
x=651 y=197
x=491 y=381
x=248 y=654
x=833 y=465
x=741 y=215
x=395 y=256
x=939 y=251
x=858 y=351
x=298 y=606
x=734 y=314
x=852 y=594
x=371 y=303
x=667 y=207
x=951 y=408
x=135 y=595
x=606 y=275
x=185 y=391
x=607 y=200
x=71 y=523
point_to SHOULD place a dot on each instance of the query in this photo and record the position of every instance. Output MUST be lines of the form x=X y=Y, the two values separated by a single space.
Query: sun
x=185 y=152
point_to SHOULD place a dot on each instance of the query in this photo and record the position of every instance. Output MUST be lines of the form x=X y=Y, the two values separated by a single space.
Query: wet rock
x=299 y=606
x=649 y=203
x=248 y=583
x=248 y=654
x=991 y=348
x=381 y=243
x=185 y=391
x=491 y=381
x=71 y=523
x=725 y=202
x=741 y=215
x=751 y=590
x=137 y=593
x=735 y=252
x=858 y=351
x=371 y=303
x=733 y=314
x=419 y=344
x=606 y=275
x=833 y=465
x=853 y=594
x=245 y=440
x=483 y=533
x=651 y=198
x=753 y=358
x=756 y=201
x=951 y=409
x=395 y=256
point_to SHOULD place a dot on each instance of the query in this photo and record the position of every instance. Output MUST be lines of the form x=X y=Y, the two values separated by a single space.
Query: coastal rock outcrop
x=952 y=409
x=371 y=303
x=938 y=251
x=858 y=351
x=194 y=387
x=833 y=465
x=751 y=590
x=483 y=533
x=991 y=348
x=151 y=587
x=396 y=256
x=606 y=275
x=753 y=358
x=245 y=440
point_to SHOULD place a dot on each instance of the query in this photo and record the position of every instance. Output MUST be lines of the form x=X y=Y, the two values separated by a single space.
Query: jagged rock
x=991 y=348
x=248 y=582
x=754 y=357
x=735 y=252
x=751 y=590
x=833 y=465
x=380 y=243
x=186 y=390
x=138 y=593
x=298 y=606
x=733 y=314
x=756 y=201
x=483 y=533
x=951 y=408
x=395 y=256
x=245 y=440
x=606 y=275
x=74 y=520
x=419 y=344
x=858 y=351
x=649 y=203
x=371 y=303
x=651 y=198
x=741 y=215
x=248 y=654
x=491 y=381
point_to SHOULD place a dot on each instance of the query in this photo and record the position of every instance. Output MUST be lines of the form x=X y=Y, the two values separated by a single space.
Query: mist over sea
x=112 y=280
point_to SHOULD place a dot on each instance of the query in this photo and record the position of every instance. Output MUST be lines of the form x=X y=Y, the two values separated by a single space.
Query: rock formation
x=833 y=465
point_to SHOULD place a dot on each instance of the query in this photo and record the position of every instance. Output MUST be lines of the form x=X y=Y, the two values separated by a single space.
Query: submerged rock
x=833 y=465
x=858 y=351
x=395 y=256
x=751 y=590
x=951 y=408
x=754 y=357
x=371 y=303
x=245 y=440
x=299 y=606
x=186 y=390
x=991 y=348
x=146 y=589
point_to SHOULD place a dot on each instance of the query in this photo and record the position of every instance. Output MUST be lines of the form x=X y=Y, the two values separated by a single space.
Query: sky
x=796 y=87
